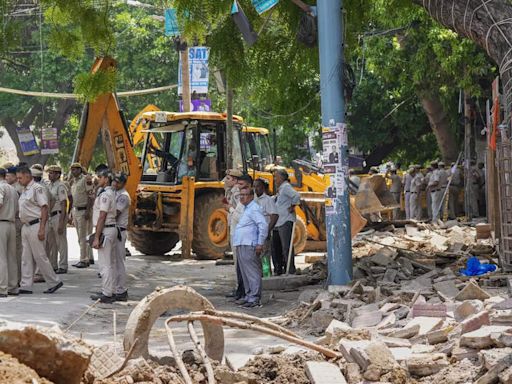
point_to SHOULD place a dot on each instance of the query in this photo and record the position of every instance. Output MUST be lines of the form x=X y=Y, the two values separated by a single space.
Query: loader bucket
x=373 y=196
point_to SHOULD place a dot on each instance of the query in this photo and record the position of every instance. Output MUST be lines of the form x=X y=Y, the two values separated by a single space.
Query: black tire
x=211 y=235
x=153 y=243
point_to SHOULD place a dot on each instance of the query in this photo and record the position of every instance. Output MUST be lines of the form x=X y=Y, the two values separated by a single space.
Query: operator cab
x=256 y=148
x=187 y=144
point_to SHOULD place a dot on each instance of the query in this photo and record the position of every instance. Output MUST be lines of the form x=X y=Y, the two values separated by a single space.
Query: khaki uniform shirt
x=31 y=201
x=123 y=203
x=443 y=178
x=417 y=183
x=59 y=194
x=80 y=191
x=434 y=181
x=105 y=202
x=8 y=201
x=407 y=182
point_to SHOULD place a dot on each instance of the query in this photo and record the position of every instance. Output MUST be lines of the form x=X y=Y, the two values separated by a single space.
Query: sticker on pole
x=263 y=5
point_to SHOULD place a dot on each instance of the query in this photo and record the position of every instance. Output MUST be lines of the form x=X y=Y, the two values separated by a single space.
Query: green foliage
x=91 y=85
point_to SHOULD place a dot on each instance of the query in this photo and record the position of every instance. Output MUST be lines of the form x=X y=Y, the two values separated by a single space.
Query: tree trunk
x=440 y=126
x=487 y=23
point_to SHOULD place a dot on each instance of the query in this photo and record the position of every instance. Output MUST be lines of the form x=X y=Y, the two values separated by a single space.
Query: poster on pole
x=171 y=23
x=198 y=105
x=199 y=73
x=27 y=141
x=263 y=5
x=49 y=141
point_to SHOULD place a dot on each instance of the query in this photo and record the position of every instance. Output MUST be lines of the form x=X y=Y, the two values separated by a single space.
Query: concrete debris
x=49 y=352
x=472 y=291
x=321 y=372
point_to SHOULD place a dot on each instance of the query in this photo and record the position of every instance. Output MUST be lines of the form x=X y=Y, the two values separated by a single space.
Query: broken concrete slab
x=347 y=346
x=367 y=319
x=401 y=353
x=475 y=322
x=283 y=282
x=49 y=352
x=429 y=310
x=353 y=373
x=322 y=372
x=492 y=375
x=235 y=361
x=472 y=291
x=311 y=259
x=384 y=257
x=426 y=364
x=336 y=325
x=461 y=353
x=380 y=356
x=395 y=342
x=481 y=338
x=506 y=376
x=447 y=289
x=390 y=276
x=426 y=324
x=491 y=357
x=406 y=333
x=439 y=336
x=468 y=308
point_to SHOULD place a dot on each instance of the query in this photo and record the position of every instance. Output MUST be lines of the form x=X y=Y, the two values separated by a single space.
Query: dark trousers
x=280 y=248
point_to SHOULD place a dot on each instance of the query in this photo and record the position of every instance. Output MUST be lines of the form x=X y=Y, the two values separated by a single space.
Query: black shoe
x=81 y=264
x=61 y=271
x=254 y=304
x=99 y=275
x=25 y=292
x=121 y=296
x=127 y=252
x=240 y=301
x=103 y=299
x=3 y=295
x=54 y=288
x=91 y=261
x=13 y=293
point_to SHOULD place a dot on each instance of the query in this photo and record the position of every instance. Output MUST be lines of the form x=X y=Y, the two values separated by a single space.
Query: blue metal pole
x=330 y=37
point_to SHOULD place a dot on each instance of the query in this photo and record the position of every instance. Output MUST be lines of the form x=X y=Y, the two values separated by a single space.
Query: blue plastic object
x=475 y=268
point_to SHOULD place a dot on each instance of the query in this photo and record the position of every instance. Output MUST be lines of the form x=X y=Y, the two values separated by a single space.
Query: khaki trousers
x=437 y=210
x=34 y=252
x=120 y=272
x=19 y=246
x=81 y=226
x=8 y=259
x=414 y=208
x=57 y=244
x=107 y=257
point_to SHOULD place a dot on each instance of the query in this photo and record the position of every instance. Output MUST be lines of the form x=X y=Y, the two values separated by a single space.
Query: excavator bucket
x=373 y=196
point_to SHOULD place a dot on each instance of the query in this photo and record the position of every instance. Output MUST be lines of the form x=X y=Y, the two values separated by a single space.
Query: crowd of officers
x=260 y=226
x=436 y=184
x=34 y=213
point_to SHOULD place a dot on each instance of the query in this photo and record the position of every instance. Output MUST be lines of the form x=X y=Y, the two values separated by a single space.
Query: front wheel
x=211 y=233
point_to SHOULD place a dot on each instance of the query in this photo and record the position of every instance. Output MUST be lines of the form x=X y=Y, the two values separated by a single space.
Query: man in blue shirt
x=249 y=239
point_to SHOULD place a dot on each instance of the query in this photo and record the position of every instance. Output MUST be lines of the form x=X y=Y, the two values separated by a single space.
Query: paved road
x=145 y=274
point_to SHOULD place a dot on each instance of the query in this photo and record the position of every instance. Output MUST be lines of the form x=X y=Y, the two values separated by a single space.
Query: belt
x=413 y=192
x=110 y=226
x=55 y=213
x=80 y=208
x=33 y=222
x=434 y=190
x=407 y=191
x=6 y=221
x=122 y=229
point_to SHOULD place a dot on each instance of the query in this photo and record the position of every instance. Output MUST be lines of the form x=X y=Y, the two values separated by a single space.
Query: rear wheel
x=211 y=234
x=300 y=236
x=153 y=243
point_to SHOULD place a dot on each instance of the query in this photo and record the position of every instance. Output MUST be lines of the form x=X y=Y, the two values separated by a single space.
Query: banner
x=199 y=73
x=243 y=24
x=198 y=105
x=171 y=23
x=27 y=141
x=263 y=5
x=49 y=141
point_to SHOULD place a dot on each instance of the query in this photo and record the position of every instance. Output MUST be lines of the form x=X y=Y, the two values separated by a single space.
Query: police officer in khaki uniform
x=80 y=203
x=57 y=239
x=8 y=259
x=12 y=180
x=123 y=203
x=106 y=236
x=33 y=207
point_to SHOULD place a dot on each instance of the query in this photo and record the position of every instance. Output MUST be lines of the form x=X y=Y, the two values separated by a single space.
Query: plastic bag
x=475 y=268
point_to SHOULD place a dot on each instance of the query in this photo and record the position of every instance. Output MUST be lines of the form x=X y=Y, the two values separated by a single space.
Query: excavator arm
x=104 y=115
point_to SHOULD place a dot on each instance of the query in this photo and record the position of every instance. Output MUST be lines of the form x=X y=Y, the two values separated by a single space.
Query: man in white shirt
x=123 y=202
